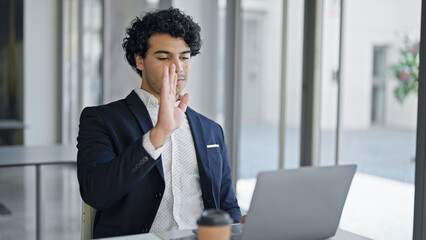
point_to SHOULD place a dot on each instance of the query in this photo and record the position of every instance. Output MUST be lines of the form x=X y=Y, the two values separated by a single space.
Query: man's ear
x=139 y=62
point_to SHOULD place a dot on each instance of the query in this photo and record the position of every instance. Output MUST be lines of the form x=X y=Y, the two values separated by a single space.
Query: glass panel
x=205 y=77
x=260 y=93
x=70 y=72
x=11 y=136
x=92 y=52
x=11 y=72
x=329 y=84
x=293 y=92
x=221 y=29
x=82 y=74
x=380 y=64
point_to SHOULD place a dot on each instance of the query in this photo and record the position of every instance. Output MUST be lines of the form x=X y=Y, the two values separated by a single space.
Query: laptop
x=303 y=203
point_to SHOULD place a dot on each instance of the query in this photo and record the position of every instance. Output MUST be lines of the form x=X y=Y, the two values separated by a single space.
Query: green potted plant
x=406 y=70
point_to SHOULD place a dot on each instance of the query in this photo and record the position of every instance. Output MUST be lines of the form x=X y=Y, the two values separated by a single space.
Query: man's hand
x=169 y=116
x=243 y=219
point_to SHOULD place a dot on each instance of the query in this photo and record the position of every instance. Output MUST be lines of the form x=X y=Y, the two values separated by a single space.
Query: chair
x=87 y=218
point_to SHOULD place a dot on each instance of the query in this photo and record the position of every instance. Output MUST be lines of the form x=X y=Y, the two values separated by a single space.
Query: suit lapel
x=202 y=157
x=139 y=111
x=142 y=116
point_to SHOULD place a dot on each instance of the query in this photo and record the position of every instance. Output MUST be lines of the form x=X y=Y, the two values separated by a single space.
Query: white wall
x=401 y=116
x=41 y=72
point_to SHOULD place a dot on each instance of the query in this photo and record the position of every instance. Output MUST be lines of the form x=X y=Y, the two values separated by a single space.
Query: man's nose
x=178 y=64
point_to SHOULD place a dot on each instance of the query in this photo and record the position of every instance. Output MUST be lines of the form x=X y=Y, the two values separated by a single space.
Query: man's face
x=164 y=50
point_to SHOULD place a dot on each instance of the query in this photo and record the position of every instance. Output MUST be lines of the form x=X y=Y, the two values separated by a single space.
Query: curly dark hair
x=171 y=21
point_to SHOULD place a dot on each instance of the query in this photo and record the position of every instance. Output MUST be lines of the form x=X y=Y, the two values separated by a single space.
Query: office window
x=378 y=130
x=329 y=82
x=82 y=67
x=260 y=92
x=11 y=72
x=293 y=84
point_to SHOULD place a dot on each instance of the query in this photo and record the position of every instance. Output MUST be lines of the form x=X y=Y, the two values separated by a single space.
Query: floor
x=62 y=203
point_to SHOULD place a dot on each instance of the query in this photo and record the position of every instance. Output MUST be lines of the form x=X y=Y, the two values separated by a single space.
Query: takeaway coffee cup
x=214 y=225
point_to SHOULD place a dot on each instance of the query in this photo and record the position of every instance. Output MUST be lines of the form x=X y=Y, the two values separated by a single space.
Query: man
x=149 y=163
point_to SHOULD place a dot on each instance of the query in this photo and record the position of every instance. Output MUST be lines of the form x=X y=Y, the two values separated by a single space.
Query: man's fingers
x=165 y=87
x=184 y=102
x=172 y=79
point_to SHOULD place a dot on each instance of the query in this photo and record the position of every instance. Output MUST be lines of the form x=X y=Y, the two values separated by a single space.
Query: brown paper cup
x=214 y=232
x=214 y=225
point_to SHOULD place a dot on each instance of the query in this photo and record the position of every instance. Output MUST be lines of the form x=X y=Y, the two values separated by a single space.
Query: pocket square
x=212 y=145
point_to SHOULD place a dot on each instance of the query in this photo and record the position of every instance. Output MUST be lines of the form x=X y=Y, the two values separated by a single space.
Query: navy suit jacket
x=125 y=184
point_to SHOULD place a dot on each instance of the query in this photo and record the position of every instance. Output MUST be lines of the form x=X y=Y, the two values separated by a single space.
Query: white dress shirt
x=182 y=202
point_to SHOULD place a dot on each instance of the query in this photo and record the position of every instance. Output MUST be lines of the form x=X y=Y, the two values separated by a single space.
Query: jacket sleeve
x=106 y=174
x=228 y=201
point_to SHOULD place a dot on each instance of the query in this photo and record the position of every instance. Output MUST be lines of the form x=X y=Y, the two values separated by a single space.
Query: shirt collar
x=147 y=98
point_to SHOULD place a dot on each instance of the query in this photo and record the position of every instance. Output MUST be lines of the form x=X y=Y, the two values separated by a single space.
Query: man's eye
x=162 y=59
x=185 y=58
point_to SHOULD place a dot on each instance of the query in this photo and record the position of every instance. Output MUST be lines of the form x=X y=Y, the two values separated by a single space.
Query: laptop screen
x=303 y=203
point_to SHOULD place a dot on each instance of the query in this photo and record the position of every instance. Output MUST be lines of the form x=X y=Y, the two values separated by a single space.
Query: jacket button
x=158 y=195
x=144 y=230
x=144 y=160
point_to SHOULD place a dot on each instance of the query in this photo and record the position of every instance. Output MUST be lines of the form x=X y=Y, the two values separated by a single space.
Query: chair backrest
x=87 y=217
